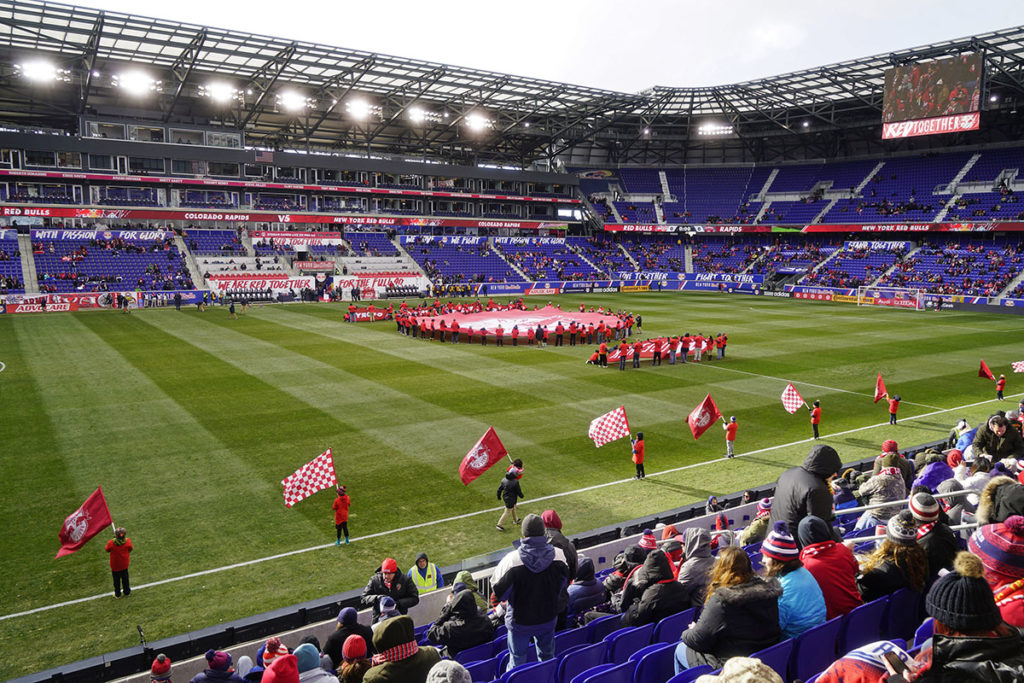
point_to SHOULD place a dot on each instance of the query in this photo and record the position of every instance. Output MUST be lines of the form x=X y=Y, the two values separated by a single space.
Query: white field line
x=217 y=570
x=817 y=386
x=3 y=366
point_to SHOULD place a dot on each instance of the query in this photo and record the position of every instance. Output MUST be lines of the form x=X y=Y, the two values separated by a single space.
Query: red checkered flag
x=791 y=399
x=609 y=427
x=316 y=475
x=703 y=416
x=1018 y=366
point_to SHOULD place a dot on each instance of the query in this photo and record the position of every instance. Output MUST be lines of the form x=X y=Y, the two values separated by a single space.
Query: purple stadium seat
x=862 y=625
x=539 y=672
x=608 y=673
x=777 y=657
x=691 y=674
x=815 y=649
x=579 y=660
x=624 y=642
x=671 y=627
x=924 y=632
x=655 y=663
x=483 y=670
x=602 y=626
x=904 y=614
x=475 y=654
x=570 y=638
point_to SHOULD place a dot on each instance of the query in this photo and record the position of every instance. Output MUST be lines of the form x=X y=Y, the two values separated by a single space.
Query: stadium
x=224 y=254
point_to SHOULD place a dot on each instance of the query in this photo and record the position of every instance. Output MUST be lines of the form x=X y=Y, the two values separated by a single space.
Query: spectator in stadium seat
x=802 y=604
x=831 y=564
x=460 y=625
x=585 y=591
x=804 y=490
x=1001 y=498
x=697 y=563
x=307 y=660
x=399 y=658
x=389 y=581
x=553 y=532
x=997 y=439
x=530 y=579
x=885 y=487
x=1000 y=547
x=449 y=671
x=348 y=625
x=933 y=533
x=160 y=671
x=899 y=562
x=757 y=530
x=355 y=661
x=740 y=615
x=653 y=593
x=625 y=562
x=218 y=669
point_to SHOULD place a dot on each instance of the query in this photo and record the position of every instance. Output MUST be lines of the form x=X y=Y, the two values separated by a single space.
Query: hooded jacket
x=466 y=577
x=653 y=592
x=427 y=579
x=933 y=474
x=586 y=591
x=1001 y=498
x=906 y=467
x=693 y=573
x=460 y=625
x=509 y=490
x=530 y=578
x=999 y=447
x=736 y=621
x=402 y=591
x=412 y=669
x=804 y=490
x=831 y=564
x=625 y=562
x=553 y=532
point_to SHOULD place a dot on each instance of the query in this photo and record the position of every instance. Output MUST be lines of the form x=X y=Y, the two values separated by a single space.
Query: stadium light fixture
x=41 y=71
x=357 y=109
x=136 y=82
x=477 y=122
x=219 y=91
x=993 y=98
x=647 y=131
x=289 y=100
x=806 y=124
x=715 y=129
x=416 y=114
x=526 y=125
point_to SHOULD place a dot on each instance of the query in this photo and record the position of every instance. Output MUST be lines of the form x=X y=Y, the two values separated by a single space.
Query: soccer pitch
x=190 y=420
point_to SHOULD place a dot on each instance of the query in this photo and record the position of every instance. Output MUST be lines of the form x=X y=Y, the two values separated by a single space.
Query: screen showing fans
x=939 y=96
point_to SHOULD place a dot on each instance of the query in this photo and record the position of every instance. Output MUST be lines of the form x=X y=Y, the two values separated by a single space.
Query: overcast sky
x=626 y=46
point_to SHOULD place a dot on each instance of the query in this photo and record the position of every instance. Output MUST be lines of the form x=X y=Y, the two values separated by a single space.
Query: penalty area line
x=412 y=527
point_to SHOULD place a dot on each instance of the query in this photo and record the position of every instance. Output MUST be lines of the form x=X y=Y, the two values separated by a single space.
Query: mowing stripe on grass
x=467 y=515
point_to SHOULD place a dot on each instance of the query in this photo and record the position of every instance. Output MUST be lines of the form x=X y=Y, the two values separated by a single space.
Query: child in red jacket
x=120 y=547
x=341 y=505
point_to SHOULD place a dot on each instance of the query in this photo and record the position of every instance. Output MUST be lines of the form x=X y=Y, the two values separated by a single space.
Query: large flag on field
x=316 y=475
x=609 y=427
x=983 y=371
x=703 y=416
x=880 y=390
x=791 y=399
x=487 y=451
x=1018 y=366
x=84 y=523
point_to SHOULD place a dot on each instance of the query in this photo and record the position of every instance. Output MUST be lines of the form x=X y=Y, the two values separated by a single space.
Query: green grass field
x=189 y=421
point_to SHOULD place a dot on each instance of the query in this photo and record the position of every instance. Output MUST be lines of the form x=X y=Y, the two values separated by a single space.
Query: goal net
x=899 y=297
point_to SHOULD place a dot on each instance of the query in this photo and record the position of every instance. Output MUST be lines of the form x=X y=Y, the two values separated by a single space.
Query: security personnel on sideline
x=425 y=575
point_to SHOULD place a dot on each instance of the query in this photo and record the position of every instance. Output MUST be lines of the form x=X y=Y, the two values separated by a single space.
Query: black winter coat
x=336 y=641
x=885 y=579
x=940 y=545
x=460 y=625
x=660 y=595
x=966 y=659
x=509 y=491
x=403 y=590
x=803 y=491
x=736 y=622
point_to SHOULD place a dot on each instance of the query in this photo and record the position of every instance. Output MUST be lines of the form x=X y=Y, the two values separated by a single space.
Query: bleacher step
x=881 y=278
x=28 y=265
x=190 y=261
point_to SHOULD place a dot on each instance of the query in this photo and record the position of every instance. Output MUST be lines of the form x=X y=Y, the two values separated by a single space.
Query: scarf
x=396 y=653
x=817 y=548
x=891 y=471
x=120 y=541
x=924 y=529
x=1005 y=595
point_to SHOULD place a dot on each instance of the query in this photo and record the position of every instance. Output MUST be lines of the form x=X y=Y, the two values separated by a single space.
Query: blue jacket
x=586 y=591
x=934 y=474
x=802 y=604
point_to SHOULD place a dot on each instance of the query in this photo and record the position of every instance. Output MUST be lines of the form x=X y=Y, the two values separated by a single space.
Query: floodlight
x=526 y=125
x=219 y=91
x=135 y=82
x=714 y=128
x=38 y=71
x=647 y=131
x=476 y=121
x=291 y=100
x=807 y=124
x=993 y=98
x=357 y=109
x=416 y=114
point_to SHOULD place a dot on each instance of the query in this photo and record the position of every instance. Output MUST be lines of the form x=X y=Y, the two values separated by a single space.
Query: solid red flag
x=880 y=390
x=316 y=475
x=703 y=416
x=487 y=451
x=84 y=523
x=983 y=371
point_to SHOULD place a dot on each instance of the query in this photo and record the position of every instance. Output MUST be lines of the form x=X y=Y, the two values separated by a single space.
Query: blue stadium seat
x=862 y=625
x=608 y=673
x=691 y=674
x=924 y=632
x=671 y=627
x=904 y=615
x=574 y=663
x=565 y=640
x=539 y=672
x=777 y=657
x=483 y=670
x=475 y=654
x=815 y=649
x=624 y=642
x=602 y=626
x=655 y=663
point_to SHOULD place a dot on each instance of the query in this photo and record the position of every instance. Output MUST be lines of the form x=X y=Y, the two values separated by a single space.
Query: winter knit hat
x=275 y=648
x=901 y=529
x=348 y=616
x=389 y=565
x=924 y=508
x=533 y=525
x=284 y=669
x=306 y=657
x=448 y=671
x=551 y=519
x=962 y=599
x=669 y=531
x=764 y=507
x=647 y=540
x=388 y=608
x=780 y=544
x=890 y=446
x=954 y=458
x=218 y=660
x=743 y=670
x=1000 y=547
x=354 y=648
x=161 y=669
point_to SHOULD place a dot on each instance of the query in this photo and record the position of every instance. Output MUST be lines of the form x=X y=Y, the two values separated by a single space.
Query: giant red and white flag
x=316 y=475
x=880 y=390
x=703 y=416
x=84 y=523
x=487 y=451
x=791 y=399
x=611 y=426
x=983 y=371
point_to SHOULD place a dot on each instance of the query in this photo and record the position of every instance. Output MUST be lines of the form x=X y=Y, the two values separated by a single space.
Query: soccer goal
x=900 y=297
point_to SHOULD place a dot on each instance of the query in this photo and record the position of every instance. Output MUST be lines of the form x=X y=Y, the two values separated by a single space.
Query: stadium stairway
x=636 y=266
x=950 y=203
x=867 y=179
x=582 y=257
x=190 y=261
x=1006 y=290
x=28 y=265
x=490 y=244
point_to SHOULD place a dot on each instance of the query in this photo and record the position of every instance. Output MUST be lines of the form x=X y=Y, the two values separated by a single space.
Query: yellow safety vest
x=424 y=584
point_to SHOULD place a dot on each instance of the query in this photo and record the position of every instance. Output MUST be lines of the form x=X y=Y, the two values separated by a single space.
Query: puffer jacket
x=932 y=475
x=802 y=604
x=402 y=590
x=509 y=490
x=693 y=573
x=460 y=625
x=1001 y=498
x=586 y=591
x=655 y=592
x=804 y=490
x=624 y=563
x=736 y=621
x=994 y=658
x=999 y=447
x=884 y=488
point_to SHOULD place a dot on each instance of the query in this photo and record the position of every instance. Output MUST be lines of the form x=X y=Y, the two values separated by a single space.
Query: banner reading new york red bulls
x=703 y=416
x=84 y=523
x=880 y=390
x=983 y=371
x=487 y=451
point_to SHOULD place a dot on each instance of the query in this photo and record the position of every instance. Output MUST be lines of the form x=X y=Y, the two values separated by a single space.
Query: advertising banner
x=956 y=123
x=42 y=308
x=259 y=283
x=365 y=315
x=325 y=266
x=455 y=240
x=145 y=235
x=289 y=237
x=371 y=281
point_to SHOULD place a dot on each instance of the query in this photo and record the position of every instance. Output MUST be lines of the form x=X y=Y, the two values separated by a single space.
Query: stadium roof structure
x=291 y=94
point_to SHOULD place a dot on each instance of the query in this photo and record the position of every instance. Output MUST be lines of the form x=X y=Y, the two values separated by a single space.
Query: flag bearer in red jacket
x=119 y=548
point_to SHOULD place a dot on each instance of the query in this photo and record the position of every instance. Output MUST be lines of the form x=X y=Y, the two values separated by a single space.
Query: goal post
x=898 y=297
